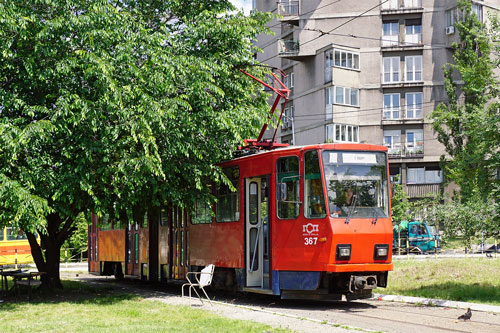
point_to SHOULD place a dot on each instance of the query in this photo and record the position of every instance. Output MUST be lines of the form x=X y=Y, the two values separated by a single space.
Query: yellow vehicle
x=14 y=247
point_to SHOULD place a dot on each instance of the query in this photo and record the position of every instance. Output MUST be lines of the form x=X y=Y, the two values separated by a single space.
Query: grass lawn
x=80 y=308
x=462 y=279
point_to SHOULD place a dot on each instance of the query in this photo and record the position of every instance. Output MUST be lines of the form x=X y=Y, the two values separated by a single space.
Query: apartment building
x=367 y=71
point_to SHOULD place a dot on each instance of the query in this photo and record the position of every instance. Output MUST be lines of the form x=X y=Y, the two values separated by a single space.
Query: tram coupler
x=362 y=282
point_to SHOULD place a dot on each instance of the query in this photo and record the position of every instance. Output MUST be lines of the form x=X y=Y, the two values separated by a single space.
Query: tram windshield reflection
x=357 y=182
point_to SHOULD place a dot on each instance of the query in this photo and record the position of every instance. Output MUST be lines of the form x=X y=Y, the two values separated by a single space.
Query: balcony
x=401 y=6
x=392 y=43
x=408 y=150
x=287 y=47
x=394 y=80
x=414 y=149
x=413 y=40
x=422 y=190
x=394 y=116
x=289 y=10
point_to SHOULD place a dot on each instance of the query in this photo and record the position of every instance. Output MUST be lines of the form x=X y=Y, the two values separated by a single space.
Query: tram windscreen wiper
x=353 y=207
x=375 y=215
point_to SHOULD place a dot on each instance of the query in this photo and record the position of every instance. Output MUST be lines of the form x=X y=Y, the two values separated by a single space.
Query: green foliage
x=115 y=107
x=78 y=241
x=462 y=122
x=467 y=218
x=400 y=206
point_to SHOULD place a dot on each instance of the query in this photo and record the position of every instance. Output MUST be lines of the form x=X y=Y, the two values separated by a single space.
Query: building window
x=346 y=59
x=413 y=65
x=414 y=103
x=392 y=140
x=328 y=66
x=478 y=11
x=346 y=96
x=390 y=5
x=291 y=80
x=329 y=133
x=395 y=174
x=429 y=175
x=413 y=32
x=287 y=120
x=227 y=208
x=412 y=3
x=390 y=33
x=415 y=141
x=391 y=69
x=342 y=133
x=391 y=106
x=329 y=98
x=451 y=18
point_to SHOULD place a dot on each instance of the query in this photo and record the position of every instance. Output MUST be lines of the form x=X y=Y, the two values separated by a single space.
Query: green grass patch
x=83 y=308
x=462 y=279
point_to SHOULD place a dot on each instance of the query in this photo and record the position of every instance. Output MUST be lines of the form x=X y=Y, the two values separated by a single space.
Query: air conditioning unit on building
x=450 y=30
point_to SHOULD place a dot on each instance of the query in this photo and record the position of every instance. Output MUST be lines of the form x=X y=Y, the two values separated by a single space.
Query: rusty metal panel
x=111 y=245
x=144 y=245
x=163 y=244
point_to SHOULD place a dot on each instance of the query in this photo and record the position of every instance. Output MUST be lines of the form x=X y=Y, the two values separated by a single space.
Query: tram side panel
x=163 y=247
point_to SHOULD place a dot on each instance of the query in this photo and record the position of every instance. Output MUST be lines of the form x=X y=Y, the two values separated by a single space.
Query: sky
x=245 y=4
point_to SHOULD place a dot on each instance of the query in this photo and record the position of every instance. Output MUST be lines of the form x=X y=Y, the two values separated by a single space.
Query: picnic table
x=21 y=278
x=4 y=275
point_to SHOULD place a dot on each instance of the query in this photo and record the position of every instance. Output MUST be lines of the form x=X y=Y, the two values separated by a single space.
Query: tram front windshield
x=356 y=184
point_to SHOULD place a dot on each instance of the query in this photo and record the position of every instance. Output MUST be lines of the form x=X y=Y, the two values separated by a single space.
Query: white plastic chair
x=201 y=280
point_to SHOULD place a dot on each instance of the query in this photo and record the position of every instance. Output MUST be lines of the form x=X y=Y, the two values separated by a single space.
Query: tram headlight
x=343 y=252
x=381 y=252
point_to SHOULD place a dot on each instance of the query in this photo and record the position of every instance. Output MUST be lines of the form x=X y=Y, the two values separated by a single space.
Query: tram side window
x=105 y=222
x=13 y=234
x=288 y=187
x=202 y=213
x=164 y=217
x=227 y=208
x=314 y=196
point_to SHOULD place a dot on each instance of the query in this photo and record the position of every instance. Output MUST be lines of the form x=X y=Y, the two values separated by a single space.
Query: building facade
x=367 y=71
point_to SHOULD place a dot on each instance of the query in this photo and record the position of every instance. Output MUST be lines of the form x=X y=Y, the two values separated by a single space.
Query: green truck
x=415 y=237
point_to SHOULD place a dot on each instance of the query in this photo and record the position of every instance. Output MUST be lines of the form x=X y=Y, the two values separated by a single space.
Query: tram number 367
x=310 y=240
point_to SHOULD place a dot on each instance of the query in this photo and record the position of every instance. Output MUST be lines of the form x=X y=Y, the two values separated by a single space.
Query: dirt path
x=309 y=316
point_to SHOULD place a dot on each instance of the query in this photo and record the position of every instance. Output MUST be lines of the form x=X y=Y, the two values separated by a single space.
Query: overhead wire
x=330 y=32
x=322 y=33
x=358 y=111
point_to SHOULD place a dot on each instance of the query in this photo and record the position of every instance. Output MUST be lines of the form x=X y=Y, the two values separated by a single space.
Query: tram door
x=179 y=244
x=256 y=232
x=93 y=260
x=132 y=248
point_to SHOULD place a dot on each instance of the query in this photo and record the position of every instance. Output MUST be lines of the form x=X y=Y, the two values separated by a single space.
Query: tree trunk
x=51 y=242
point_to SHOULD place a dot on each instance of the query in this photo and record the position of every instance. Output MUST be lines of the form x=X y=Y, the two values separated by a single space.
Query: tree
x=466 y=218
x=400 y=206
x=118 y=107
x=462 y=122
x=77 y=243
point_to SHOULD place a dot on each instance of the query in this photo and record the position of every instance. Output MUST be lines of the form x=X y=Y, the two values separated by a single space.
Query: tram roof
x=332 y=146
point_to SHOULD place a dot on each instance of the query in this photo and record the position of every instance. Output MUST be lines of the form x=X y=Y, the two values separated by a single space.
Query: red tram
x=304 y=222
